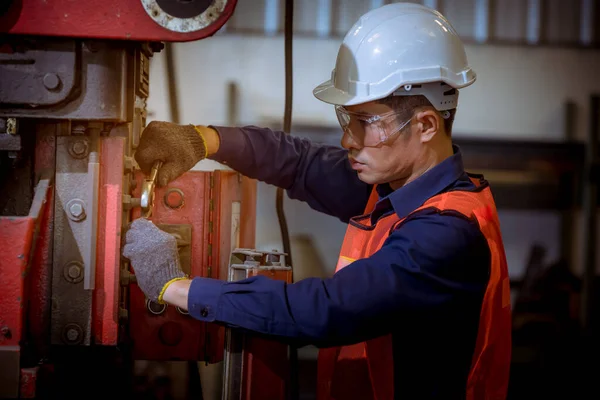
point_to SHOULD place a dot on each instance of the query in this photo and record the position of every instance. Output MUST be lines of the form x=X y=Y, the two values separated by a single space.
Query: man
x=419 y=306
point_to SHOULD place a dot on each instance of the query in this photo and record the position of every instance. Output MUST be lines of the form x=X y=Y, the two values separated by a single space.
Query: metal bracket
x=243 y=264
x=71 y=303
x=183 y=234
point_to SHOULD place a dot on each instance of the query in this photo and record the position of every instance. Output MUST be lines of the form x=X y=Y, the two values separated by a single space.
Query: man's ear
x=429 y=123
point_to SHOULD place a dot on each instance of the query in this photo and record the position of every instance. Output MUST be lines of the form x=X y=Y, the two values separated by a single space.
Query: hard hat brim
x=328 y=93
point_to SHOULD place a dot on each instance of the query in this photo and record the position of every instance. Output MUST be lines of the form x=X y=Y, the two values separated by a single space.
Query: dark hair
x=407 y=104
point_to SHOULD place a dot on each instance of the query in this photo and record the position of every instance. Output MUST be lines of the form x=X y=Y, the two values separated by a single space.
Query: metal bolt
x=79 y=147
x=5 y=332
x=51 y=81
x=73 y=272
x=76 y=210
x=72 y=334
x=174 y=198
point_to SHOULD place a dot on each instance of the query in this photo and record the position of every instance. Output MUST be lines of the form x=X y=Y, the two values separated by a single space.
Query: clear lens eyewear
x=369 y=130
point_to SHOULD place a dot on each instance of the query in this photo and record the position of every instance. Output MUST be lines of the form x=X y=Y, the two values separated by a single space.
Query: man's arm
x=433 y=266
x=317 y=174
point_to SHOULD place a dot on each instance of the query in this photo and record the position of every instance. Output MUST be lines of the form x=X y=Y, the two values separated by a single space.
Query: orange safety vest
x=370 y=366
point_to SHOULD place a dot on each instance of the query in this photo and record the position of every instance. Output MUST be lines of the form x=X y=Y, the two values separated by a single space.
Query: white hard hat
x=400 y=48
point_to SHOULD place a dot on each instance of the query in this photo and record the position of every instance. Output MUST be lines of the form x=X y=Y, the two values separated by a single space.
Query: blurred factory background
x=526 y=123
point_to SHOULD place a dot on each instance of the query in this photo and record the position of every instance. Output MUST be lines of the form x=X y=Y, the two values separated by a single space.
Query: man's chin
x=366 y=177
x=371 y=179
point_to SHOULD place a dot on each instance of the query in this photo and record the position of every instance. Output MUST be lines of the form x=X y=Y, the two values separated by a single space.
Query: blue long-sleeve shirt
x=425 y=285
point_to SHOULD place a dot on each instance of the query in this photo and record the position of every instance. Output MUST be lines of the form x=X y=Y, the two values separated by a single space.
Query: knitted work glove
x=179 y=147
x=154 y=258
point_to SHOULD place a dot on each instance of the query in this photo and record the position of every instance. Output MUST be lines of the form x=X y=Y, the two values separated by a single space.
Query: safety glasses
x=368 y=130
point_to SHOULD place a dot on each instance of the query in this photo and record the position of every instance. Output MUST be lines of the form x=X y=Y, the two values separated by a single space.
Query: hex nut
x=174 y=198
x=73 y=272
x=79 y=148
x=76 y=210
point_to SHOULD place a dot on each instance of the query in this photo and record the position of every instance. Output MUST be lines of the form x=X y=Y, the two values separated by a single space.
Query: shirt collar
x=411 y=196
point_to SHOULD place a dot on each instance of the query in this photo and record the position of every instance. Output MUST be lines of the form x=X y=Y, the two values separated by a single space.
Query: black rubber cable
x=293 y=393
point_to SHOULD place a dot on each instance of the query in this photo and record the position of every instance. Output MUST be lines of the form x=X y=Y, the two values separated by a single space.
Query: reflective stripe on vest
x=365 y=370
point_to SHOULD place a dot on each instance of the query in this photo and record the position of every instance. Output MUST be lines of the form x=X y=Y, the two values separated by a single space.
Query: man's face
x=391 y=160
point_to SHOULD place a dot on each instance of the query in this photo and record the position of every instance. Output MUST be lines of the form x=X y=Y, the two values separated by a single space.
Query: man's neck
x=430 y=159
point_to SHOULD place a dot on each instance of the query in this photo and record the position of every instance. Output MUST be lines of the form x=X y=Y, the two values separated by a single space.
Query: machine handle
x=147 y=197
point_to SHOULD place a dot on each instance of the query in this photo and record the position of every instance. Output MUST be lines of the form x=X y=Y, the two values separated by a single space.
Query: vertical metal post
x=172 y=83
x=589 y=214
x=287 y=127
x=93 y=186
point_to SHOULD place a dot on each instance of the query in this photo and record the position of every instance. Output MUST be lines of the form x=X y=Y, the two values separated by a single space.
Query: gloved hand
x=154 y=258
x=179 y=147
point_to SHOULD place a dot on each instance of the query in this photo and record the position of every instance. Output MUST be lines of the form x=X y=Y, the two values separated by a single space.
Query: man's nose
x=348 y=142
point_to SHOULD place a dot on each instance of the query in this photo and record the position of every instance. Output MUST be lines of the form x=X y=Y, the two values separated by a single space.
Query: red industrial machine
x=74 y=80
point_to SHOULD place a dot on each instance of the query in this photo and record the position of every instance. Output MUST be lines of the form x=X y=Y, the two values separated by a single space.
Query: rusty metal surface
x=255 y=367
x=97 y=79
x=71 y=304
x=110 y=210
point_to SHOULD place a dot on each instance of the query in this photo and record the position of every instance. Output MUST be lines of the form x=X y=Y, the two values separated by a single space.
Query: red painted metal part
x=266 y=365
x=208 y=210
x=108 y=19
x=18 y=242
x=105 y=325
x=28 y=383
x=16 y=237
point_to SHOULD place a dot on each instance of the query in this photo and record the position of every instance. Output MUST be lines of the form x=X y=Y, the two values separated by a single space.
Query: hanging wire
x=293 y=392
